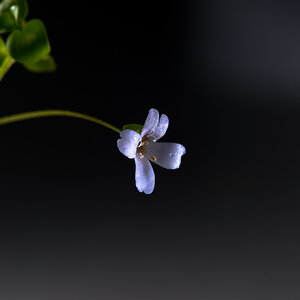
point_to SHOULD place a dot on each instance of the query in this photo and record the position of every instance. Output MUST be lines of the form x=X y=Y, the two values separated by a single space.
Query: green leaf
x=18 y=9
x=12 y=14
x=5 y=59
x=3 y=50
x=135 y=127
x=45 y=65
x=7 y=22
x=30 y=44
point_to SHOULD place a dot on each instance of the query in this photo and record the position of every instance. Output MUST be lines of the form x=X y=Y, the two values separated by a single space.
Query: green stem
x=54 y=113
x=6 y=65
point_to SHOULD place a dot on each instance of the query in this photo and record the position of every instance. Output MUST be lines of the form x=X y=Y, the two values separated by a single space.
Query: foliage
x=135 y=127
x=27 y=41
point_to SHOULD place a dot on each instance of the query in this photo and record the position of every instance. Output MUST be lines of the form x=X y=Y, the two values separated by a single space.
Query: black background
x=223 y=226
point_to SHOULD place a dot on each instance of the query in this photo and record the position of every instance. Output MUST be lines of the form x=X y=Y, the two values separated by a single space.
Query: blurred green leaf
x=15 y=11
x=7 y=22
x=30 y=44
x=3 y=51
x=18 y=9
x=135 y=127
x=5 y=59
x=45 y=65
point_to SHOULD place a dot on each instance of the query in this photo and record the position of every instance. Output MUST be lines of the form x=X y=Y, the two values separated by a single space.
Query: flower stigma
x=141 y=149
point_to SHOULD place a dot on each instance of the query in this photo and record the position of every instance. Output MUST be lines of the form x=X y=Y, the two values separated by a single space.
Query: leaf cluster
x=26 y=41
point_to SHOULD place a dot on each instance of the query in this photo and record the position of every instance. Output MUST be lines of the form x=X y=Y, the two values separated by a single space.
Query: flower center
x=141 y=146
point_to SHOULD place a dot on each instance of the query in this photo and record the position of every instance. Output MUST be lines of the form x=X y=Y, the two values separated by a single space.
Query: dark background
x=226 y=224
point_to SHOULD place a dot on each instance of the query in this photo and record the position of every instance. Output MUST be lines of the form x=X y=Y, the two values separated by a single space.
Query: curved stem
x=6 y=65
x=54 y=113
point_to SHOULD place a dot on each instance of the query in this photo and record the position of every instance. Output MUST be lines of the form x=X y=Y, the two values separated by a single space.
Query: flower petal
x=151 y=122
x=161 y=127
x=167 y=155
x=144 y=175
x=128 y=142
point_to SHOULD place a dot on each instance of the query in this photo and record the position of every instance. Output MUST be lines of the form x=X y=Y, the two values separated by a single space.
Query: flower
x=142 y=147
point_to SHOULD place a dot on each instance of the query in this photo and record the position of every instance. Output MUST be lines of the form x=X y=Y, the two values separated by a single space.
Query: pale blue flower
x=143 y=149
